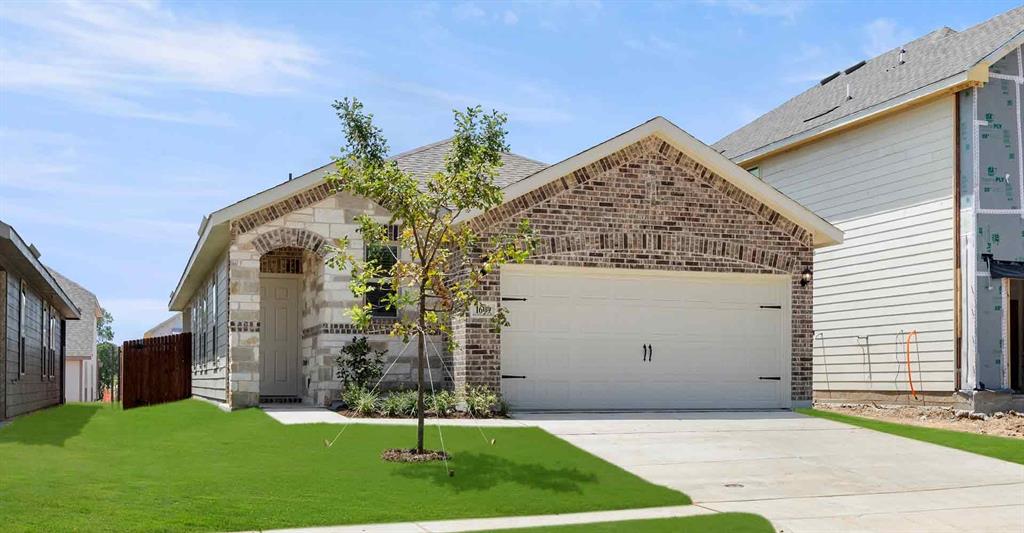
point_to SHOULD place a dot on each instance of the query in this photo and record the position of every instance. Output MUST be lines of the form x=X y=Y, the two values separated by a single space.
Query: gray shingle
x=426 y=160
x=931 y=58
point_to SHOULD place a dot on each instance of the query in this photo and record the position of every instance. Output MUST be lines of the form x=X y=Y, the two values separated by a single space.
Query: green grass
x=712 y=523
x=190 y=466
x=1005 y=448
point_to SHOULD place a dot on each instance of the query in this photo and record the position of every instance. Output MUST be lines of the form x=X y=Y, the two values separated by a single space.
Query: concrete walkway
x=488 y=524
x=304 y=414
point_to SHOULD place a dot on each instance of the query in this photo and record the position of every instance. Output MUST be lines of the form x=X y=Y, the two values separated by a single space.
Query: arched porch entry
x=291 y=263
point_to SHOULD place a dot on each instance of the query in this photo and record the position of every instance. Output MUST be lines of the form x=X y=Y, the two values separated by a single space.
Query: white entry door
x=279 y=335
x=73 y=382
x=618 y=339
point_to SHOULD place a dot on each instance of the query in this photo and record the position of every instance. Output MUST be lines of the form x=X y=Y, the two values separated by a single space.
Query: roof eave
x=958 y=82
x=30 y=267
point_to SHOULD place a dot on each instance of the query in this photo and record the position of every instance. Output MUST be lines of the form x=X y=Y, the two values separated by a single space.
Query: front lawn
x=1005 y=448
x=711 y=523
x=189 y=466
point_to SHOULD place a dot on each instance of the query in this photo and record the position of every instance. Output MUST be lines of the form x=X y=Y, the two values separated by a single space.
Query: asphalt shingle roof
x=934 y=57
x=426 y=160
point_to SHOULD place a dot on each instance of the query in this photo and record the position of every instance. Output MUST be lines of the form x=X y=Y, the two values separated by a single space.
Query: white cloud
x=510 y=18
x=136 y=228
x=783 y=9
x=469 y=11
x=111 y=56
x=653 y=43
x=884 y=34
x=516 y=112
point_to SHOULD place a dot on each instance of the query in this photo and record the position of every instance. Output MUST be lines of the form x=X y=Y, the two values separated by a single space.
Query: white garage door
x=613 y=339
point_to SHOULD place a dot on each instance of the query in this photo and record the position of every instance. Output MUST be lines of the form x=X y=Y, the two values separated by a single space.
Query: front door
x=279 y=335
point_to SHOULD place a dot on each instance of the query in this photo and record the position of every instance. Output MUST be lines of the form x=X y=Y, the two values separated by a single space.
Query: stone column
x=244 y=324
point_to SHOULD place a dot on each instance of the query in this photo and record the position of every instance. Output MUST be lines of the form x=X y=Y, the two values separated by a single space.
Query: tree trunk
x=422 y=358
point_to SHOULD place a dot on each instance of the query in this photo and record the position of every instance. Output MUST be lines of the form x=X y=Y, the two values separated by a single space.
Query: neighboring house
x=80 y=376
x=665 y=277
x=34 y=311
x=171 y=326
x=916 y=156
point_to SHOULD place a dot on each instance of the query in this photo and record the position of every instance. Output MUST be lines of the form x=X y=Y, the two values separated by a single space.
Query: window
x=385 y=255
x=44 y=342
x=378 y=298
x=54 y=342
x=194 y=329
x=203 y=318
x=756 y=171
x=21 y=330
x=213 y=319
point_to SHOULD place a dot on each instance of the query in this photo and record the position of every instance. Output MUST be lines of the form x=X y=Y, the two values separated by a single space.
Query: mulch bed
x=403 y=455
x=348 y=413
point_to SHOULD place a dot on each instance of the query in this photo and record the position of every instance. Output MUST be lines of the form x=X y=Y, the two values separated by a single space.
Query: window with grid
x=212 y=320
x=385 y=255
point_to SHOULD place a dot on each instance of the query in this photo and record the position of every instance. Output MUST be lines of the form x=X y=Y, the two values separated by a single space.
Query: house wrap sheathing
x=991 y=215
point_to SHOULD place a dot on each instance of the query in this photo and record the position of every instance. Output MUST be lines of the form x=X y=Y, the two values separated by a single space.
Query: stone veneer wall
x=647 y=206
x=311 y=221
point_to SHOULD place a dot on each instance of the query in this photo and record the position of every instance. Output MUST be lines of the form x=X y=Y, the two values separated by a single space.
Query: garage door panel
x=711 y=340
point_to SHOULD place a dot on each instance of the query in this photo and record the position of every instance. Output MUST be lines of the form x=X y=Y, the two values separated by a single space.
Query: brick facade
x=647 y=206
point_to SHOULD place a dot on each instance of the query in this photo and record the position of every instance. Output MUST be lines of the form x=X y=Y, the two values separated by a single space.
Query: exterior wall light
x=806 y=276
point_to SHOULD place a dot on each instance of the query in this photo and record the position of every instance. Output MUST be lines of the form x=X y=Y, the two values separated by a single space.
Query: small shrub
x=359 y=364
x=366 y=403
x=443 y=403
x=399 y=403
x=480 y=401
x=351 y=394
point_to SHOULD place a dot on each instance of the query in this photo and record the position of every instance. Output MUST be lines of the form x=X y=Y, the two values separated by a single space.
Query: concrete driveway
x=804 y=473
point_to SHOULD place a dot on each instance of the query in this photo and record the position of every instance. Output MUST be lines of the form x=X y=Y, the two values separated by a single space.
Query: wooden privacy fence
x=156 y=370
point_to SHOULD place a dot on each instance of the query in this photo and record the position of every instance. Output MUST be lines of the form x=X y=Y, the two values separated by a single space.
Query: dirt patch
x=1009 y=424
x=402 y=455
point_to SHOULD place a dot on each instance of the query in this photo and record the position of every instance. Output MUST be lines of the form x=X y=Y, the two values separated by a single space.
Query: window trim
x=392 y=245
x=44 y=343
x=22 y=303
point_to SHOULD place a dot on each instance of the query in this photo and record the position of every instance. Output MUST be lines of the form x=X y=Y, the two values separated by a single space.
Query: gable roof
x=74 y=290
x=824 y=233
x=426 y=160
x=23 y=260
x=215 y=233
x=943 y=60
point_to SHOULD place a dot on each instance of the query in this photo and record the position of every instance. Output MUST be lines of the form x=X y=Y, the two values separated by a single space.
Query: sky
x=123 y=124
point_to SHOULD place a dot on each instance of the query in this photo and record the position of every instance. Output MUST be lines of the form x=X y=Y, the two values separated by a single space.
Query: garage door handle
x=771 y=378
x=650 y=353
x=506 y=376
x=771 y=307
x=512 y=299
x=645 y=353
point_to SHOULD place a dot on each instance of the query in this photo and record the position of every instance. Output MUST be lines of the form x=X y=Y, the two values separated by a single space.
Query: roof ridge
x=423 y=148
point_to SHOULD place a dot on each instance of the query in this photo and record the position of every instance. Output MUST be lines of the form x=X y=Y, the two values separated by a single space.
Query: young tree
x=106 y=351
x=447 y=260
x=105 y=327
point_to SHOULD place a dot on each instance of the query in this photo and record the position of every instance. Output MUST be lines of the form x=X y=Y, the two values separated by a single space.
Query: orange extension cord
x=910 y=378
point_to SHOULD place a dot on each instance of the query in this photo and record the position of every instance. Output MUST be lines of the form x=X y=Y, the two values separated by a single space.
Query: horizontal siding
x=209 y=379
x=888 y=186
